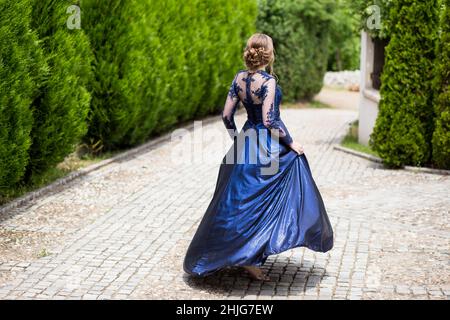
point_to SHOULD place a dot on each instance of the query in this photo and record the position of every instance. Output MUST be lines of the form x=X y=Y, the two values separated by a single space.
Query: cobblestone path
x=392 y=236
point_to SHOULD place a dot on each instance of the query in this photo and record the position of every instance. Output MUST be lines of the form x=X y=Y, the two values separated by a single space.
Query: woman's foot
x=256 y=273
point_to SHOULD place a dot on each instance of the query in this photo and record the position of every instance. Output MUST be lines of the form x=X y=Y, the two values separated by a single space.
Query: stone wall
x=343 y=79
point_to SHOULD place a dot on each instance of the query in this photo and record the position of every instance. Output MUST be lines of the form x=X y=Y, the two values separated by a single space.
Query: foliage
x=62 y=106
x=21 y=69
x=372 y=12
x=161 y=62
x=134 y=69
x=345 y=38
x=351 y=140
x=441 y=135
x=301 y=34
x=404 y=126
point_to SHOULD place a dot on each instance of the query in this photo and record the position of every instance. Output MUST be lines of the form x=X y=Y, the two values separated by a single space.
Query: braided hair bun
x=258 y=52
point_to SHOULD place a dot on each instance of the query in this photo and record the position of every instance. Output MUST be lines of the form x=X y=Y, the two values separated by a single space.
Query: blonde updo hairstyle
x=259 y=52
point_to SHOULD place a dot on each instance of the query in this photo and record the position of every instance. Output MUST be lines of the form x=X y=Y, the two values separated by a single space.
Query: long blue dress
x=255 y=213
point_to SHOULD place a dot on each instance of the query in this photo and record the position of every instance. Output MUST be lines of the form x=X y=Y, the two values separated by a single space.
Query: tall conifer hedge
x=133 y=69
x=62 y=106
x=161 y=62
x=441 y=135
x=403 y=130
x=21 y=68
x=119 y=70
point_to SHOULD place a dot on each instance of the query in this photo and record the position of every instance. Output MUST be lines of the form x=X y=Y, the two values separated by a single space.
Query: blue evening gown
x=254 y=213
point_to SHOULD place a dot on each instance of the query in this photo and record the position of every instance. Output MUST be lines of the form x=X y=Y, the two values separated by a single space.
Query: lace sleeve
x=271 y=113
x=230 y=107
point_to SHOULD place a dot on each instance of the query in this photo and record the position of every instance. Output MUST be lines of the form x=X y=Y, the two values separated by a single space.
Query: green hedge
x=441 y=135
x=160 y=62
x=193 y=67
x=134 y=69
x=118 y=88
x=61 y=109
x=21 y=68
x=403 y=129
x=301 y=34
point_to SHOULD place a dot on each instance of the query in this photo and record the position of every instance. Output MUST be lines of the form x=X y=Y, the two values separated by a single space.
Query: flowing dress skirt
x=253 y=215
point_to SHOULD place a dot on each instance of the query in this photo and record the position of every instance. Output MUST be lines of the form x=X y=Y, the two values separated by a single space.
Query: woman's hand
x=296 y=147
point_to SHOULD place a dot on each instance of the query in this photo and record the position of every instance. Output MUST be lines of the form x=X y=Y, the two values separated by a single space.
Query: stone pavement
x=391 y=227
x=339 y=98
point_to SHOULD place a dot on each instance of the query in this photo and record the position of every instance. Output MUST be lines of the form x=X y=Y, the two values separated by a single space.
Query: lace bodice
x=261 y=97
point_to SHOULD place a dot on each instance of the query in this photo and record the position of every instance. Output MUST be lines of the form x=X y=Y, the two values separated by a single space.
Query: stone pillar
x=369 y=97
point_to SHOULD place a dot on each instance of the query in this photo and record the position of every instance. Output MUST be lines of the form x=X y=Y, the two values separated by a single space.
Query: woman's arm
x=230 y=109
x=270 y=119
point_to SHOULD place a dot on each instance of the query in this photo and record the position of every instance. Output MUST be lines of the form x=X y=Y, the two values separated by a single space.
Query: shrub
x=441 y=135
x=195 y=50
x=301 y=34
x=403 y=129
x=161 y=62
x=21 y=66
x=61 y=109
x=232 y=23
x=117 y=85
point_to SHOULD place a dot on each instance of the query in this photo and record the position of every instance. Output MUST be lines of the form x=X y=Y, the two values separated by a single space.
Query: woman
x=264 y=205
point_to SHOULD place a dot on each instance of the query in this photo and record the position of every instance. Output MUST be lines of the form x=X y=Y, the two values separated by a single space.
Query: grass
x=318 y=105
x=303 y=105
x=351 y=141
